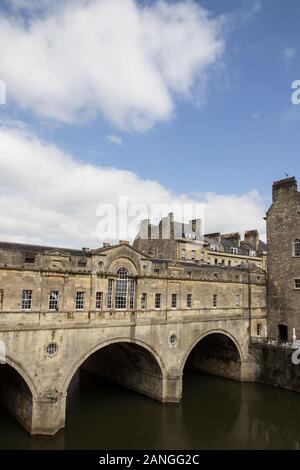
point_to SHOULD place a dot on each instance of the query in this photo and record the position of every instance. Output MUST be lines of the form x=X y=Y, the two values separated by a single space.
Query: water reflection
x=215 y=414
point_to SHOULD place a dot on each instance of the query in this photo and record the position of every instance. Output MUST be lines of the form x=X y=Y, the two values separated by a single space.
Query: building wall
x=283 y=227
x=202 y=282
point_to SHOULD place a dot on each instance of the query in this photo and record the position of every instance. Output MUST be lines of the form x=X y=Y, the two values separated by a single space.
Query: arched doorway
x=215 y=353
x=15 y=395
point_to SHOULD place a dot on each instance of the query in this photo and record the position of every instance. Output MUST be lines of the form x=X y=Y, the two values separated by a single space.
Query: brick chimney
x=252 y=238
x=235 y=237
x=216 y=237
x=284 y=188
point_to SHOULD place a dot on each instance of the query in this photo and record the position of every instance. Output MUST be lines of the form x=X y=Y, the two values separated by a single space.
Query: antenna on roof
x=286 y=175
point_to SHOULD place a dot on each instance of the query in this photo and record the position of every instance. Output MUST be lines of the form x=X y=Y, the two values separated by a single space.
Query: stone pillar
x=48 y=413
x=172 y=387
x=250 y=371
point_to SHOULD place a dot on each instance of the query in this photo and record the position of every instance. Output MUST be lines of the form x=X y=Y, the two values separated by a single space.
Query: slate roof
x=39 y=248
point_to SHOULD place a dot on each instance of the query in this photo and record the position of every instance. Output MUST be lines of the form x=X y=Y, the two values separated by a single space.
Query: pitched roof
x=39 y=248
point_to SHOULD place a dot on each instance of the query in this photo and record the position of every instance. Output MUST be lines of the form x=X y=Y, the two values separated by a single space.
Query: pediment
x=58 y=253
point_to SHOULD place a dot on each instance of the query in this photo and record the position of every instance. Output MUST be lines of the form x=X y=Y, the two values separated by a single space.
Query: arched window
x=121 y=289
x=297 y=247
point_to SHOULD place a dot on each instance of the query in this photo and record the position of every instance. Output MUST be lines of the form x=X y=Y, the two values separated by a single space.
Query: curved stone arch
x=208 y=333
x=71 y=372
x=129 y=264
x=24 y=374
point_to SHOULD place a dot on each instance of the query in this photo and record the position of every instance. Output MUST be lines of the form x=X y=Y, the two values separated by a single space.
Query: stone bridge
x=123 y=315
x=145 y=355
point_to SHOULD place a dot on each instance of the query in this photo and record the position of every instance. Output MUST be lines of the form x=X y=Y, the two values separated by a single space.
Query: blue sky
x=242 y=135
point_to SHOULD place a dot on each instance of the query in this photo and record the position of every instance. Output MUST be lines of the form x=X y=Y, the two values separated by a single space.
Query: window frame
x=121 y=290
x=79 y=300
x=189 y=301
x=26 y=301
x=296 y=248
x=53 y=302
x=174 y=302
x=297 y=283
x=157 y=297
x=98 y=300
x=144 y=301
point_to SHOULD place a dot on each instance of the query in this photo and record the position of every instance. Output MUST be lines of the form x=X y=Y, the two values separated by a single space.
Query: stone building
x=283 y=233
x=178 y=241
x=46 y=279
x=121 y=314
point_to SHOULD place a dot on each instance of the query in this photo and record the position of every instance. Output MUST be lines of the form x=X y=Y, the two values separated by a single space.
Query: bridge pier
x=48 y=414
x=172 y=388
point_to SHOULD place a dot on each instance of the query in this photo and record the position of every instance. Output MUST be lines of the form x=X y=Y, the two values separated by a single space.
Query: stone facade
x=283 y=231
x=120 y=313
x=172 y=240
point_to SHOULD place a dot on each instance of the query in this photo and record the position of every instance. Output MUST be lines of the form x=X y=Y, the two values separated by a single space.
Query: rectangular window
x=229 y=263
x=189 y=301
x=174 y=301
x=26 y=299
x=215 y=300
x=193 y=255
x=131 y=295
x=109 y=293
x=144 y=301
x=79 y=300
x=258 y=329
x=156 y=271
x=258 y=301
x=29 y=259
x=183 y=253
x=238 y=300
x=99 y=297
x=1 y=298
x=297 y=248
x=216 y=261
x=189 y=274
x=157 y=301
x=53 y=300
x=297 y=283
x=81 y=264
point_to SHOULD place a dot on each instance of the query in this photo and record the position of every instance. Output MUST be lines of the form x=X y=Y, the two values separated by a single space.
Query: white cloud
x=48 y=197
x=289 y=53
x=114 y=139
x=115 y=57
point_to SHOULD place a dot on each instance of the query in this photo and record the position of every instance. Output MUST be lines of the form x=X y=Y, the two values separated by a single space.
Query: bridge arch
x=23 y=374
x=17 y=392
x=217 y=352
x=155 y=373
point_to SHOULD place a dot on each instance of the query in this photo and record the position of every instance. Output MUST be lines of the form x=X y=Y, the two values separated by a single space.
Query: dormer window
x=297 y=247
x=156 y=271
x=251 y=252
x=233 y=250
x=214 y=247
